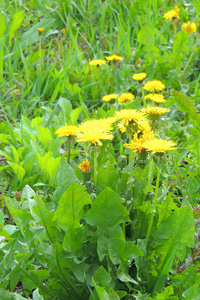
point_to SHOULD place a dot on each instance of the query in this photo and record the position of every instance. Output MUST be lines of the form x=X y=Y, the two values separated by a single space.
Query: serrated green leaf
x=70 y=208
x=16 y=23
x=107 y=176
x=43 y=135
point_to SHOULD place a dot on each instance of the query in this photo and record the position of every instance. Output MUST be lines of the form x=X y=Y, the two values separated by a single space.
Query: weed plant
x=99 y=150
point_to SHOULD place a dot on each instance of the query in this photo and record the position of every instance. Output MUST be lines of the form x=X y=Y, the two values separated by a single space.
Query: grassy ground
x=125 y=224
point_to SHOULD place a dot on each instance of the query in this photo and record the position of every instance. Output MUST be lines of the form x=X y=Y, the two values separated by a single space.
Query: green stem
x=95 y=166
x=69 y=149
x=139 y=175
x=149 y=176
x=130 y=150
x=154 y=206
x=143 y=97
x=190 y=58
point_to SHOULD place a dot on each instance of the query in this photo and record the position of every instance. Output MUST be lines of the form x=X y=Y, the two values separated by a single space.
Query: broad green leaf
x=146 y=36
x=66 y=108
x=16 y=23
x=74 y=114
x=37 y=296
x=173 y=237
x=107 y=210
x=3 y=26
x=165 y=294
x=65 y=177
x=122 y=274
x=193 y=292
x=74 y=238
x=71 y=204
x=107 y=176
x=193 y=185
x=43 y=135
x=36 y=121
x=102 y=277
x=18 y=170
x=180 y=41
x=52 y=165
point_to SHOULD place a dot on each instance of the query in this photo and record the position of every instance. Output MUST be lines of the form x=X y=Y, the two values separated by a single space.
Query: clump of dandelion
x=172 y=13
x=154 y=85
x=95 y=131
x=114 y=58
x=158 y=148
x=69 y=131
x=156 y=98
x=139 y=76
x=125 y=96
x=189 y=27
x=154 y=113
x=97 y=62
x=85 y=168
x=110 y=97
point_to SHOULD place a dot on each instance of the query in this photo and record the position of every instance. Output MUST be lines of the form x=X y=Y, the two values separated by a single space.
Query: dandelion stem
x=190 y=58
x=95 y=166
x=149 y=176
x=69 y=149
x=154 y=205
x=143 y=98
x=130 y=150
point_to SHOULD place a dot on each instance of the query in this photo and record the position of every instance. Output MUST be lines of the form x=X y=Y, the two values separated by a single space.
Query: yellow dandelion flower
x=114 y=58
x=125 y=96
x=189 y=28
x=97 y=62
x=85 y=166
x=94 y=137
x=63 y=30
x=159 y=146
x=68 y=130
x=172 y=13
x=102 y=125
x=139 y=76
x=155 y=97
x=110 y=97
x=40 y=29
x=133 y=118
x=137 y=144
x=155 y=111
x=154 y=85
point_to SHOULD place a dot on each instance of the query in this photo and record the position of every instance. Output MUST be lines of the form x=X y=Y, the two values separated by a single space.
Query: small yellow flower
x=68 y=130
x=189 y=28
x=85 y=166
x=137 y=144
x=114 y=58
x=159 y=146
x=154 y=85
x=132 y=118
x=155 y=97
x=139 y=76
x=125 y=96
x=172 y=13
x=154 y=111
x=97 y=62
x=110 y=97
x=40 y=30
x=63 y=30
x=95 y=130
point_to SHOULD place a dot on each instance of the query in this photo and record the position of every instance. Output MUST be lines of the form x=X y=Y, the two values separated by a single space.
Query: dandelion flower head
x=189 y=28
x=137 y=144
x=40 y=29
x=110 y=97
x=155 y=111
x=97 y=62
x=85 y=166
x=132 y=117
x=154 y=85
x=95 y=130
x=172 y=13
x=114 y=58
x=159 y=145
x=139 y=76
x=68 y=130
x=155 y=97
x=125 y=96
